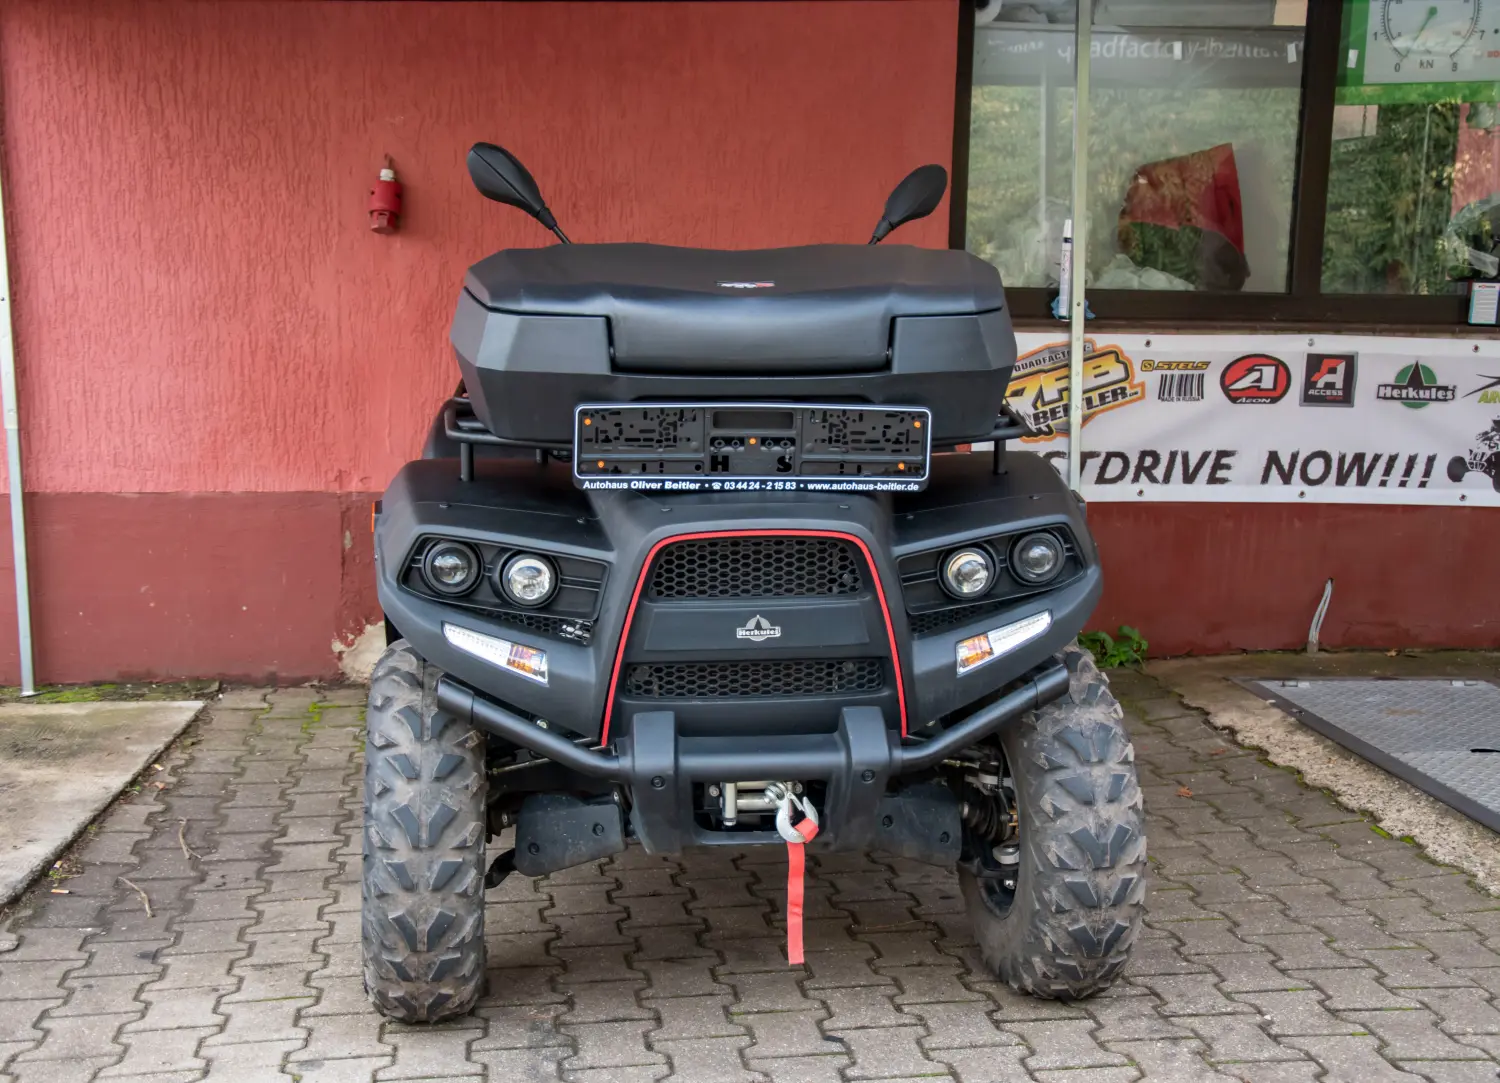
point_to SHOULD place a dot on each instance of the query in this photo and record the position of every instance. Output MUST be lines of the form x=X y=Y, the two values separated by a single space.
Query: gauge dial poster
x=1270 y=418
x=1413 y=51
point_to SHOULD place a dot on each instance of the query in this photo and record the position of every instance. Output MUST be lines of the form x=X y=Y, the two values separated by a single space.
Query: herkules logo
x=757 y=629
x=1256 y=379
x=1328 y=379
x=1038 y=389
x=1415 y=386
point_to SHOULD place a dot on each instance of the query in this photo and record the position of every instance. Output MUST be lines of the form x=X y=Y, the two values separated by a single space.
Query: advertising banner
x=1331 y=419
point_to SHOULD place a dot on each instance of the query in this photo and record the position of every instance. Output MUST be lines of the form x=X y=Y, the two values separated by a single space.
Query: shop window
x=1320 y=161
x=1192 y=147
x=1414 y=174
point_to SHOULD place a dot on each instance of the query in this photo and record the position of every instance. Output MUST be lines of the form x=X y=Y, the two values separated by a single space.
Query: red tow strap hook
x=797 y=837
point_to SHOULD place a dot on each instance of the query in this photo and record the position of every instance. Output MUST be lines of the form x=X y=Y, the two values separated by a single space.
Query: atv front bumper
x=660 y=767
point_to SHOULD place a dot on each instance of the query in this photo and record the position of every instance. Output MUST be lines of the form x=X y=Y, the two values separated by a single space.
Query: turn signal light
x=516 y=657
x=977 y=650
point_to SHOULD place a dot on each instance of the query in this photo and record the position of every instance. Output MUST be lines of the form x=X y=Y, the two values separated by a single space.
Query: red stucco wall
x=199 y=304
x=203 y=318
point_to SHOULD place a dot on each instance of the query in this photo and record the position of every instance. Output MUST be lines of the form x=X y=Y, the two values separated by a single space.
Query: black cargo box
x=540 y=331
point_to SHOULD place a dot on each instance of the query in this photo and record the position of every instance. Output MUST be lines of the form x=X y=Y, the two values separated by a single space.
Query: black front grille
x=729 y=680
x=577 y=631
x=756 y=567
x=925 y=623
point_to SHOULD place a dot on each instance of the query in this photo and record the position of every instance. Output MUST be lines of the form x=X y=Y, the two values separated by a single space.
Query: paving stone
x=1411 y=968
x=424 y=1052
x=1062 y=1043
x=1083 y=1075
x=1298 y=1013
x=886 y=1052
x=816 y=1069
x=159 y=1051
x=1165 y=1059
x=603 y=963
x=172 y=1009
x=1191 y=994
x=80 y=1037
x=1454 y=1071
x=709 y=1060
x=602 y=1002
x=535 y=1064
x=1351 y=1060
x=342 y=1037
x=752 y=956
x=34 y=980
x=789 y=1034
x=99 y=996
x=1306 y=951
x=1302 y=1071
x=1409 y=1034
x=260 y=1021
x=1236 y=1038
x=207 y=969
x=57 y=1071
x=41 y=944
x=957 y=1026
x=696 y=1017
x=1247 y=972
x=1133 y=1018
x=610 y=1045
x=1352 y=990
x=1461 y=1011
x=929 y=985
x=775 y=991
x=841 y=970
x=862 y=1007
x=525 y=985
x=246 y=1060
x=676 y=978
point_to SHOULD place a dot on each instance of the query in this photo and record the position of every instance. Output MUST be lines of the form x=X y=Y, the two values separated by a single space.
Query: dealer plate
x=696 y=447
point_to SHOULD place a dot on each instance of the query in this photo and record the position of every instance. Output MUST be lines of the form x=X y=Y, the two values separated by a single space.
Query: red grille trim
x=640 y=583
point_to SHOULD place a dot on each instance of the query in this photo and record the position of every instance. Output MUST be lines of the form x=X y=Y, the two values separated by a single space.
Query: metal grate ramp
x=1442 y=736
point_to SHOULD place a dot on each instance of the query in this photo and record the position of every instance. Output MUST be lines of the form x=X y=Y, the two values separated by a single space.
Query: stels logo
x=1256 y=379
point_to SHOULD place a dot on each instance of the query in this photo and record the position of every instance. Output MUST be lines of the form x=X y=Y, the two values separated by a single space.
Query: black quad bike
x=689 y=561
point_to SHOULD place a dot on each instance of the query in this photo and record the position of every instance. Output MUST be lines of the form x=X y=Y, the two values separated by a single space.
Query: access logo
x=1328 y=379
x=1038 y=389
x=1256 y=379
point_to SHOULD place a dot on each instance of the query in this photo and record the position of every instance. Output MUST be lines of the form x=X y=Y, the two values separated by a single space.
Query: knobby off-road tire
x=1081 y=881
x=423 y=915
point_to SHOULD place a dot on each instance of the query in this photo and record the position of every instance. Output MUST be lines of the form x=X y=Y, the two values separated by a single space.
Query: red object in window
x=385 y=201
x=1199 y=192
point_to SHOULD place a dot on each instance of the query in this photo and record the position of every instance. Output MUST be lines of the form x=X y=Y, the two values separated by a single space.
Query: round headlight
x=968 y=573
x=451 y=568
x=528 y=580
x=1037 y=558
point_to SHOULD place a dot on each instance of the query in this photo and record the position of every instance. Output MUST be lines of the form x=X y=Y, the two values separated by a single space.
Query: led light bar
x=526 y=661
x=978 y=650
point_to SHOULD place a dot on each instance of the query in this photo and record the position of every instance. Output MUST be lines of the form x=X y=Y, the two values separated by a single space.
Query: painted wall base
x=261 y=586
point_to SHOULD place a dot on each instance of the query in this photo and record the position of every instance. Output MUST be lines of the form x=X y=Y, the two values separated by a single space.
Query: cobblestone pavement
x=1286 y=942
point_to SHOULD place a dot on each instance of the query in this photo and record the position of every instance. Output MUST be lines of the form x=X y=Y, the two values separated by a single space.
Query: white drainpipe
x=1083 y=43
x=13 y=464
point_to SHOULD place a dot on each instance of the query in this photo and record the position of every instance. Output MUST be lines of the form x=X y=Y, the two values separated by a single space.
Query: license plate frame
x=783 y=447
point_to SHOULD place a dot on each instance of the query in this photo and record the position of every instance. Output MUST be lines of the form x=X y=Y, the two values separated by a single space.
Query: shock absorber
x=989 y=816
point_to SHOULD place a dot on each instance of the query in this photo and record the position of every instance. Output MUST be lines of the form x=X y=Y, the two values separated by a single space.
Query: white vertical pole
x=1081 y=61
x=13 y=464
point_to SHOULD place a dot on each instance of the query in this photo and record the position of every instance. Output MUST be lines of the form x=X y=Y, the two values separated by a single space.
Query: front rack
x=463 y=427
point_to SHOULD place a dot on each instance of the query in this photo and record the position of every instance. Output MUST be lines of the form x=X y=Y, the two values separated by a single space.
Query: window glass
x=1192 y=147
x=1414 y=175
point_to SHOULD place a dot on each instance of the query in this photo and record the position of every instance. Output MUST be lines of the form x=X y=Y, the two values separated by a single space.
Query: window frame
x=1304 y=302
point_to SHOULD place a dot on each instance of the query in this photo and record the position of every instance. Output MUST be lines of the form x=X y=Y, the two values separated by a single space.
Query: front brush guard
x=659 y=766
